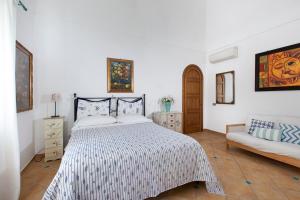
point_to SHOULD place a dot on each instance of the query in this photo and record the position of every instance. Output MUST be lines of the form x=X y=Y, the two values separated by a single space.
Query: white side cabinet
x=53 y=133
x=170 y=120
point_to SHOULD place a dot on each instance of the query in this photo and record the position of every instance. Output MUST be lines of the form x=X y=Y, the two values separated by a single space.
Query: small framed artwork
x=120 y=74
x=278 y=69
x=24 y=78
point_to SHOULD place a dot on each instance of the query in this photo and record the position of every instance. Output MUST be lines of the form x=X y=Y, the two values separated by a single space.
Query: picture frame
x=24 y=78
x=120 y=75
x=278 y=69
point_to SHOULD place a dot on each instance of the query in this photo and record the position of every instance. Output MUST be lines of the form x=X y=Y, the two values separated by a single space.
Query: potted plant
x=167 y=102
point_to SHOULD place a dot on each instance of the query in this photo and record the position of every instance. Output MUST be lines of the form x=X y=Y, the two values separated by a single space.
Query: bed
x=130 y=159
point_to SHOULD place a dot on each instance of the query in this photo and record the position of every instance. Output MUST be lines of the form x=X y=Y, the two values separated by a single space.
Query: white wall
x=74 y=38
x=25 y=35
x=254 y=26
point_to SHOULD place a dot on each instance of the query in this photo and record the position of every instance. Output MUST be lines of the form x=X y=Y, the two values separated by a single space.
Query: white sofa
x=237 y=135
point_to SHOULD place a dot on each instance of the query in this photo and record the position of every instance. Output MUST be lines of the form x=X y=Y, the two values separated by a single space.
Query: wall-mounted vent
x=223 y=55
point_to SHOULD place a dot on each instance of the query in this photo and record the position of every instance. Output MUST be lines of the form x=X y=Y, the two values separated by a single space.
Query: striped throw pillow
x=290 y=133
x=268 y=134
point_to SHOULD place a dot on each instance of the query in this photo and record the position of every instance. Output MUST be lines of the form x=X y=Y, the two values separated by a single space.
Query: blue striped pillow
x=268 y=134
x=290 y=133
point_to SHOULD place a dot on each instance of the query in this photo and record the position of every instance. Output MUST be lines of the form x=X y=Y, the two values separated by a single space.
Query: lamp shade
x=55 y=97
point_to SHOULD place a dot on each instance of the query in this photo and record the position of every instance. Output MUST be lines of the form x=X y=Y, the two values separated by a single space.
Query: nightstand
x=170 y=120
x=53 y=133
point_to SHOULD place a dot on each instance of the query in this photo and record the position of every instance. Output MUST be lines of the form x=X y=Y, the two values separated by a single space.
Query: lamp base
x=55 y=116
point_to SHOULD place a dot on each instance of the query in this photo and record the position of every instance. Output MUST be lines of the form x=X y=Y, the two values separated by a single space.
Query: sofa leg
x=227 y=146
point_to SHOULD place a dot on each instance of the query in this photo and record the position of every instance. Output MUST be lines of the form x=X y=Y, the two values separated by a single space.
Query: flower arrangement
x=167 y=99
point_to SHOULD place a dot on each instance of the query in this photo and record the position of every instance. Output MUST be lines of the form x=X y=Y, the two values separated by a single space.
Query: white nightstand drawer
x=53 y=133
x=171 y=126
x=52 y=143
x=171 y=116
x=171 y=120
x=53 y=153
x=54 y=123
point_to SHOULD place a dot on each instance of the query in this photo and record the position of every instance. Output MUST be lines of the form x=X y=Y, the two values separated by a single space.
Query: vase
x=167 y=106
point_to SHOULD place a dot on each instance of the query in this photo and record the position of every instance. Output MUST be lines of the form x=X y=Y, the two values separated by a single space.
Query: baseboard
x=26 y=164
x=26 y=156
x=211 y=131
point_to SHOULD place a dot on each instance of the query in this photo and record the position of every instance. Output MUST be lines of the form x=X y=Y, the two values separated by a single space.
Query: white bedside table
x=170 y=120
x=53 y=133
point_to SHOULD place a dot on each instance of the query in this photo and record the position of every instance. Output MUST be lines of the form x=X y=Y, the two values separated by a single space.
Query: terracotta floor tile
x=292 y=195
x=267 y=192
x=250 y=196
x=35 y=193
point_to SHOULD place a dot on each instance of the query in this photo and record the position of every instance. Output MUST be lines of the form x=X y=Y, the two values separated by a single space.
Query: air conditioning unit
x=223 y=55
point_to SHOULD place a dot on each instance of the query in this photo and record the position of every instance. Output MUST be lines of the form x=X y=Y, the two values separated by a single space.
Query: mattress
x=280 y=148
x=133 y=161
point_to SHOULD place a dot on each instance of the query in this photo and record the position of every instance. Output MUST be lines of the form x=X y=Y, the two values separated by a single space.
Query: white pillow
x=95 y=121
x=133 y=107
x=93 y=108
x=132 y=119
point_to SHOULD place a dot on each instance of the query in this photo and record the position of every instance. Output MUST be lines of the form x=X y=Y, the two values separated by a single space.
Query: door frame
x=191 y=66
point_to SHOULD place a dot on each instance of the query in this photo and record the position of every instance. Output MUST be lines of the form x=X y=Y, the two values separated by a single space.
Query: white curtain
x=9 y=143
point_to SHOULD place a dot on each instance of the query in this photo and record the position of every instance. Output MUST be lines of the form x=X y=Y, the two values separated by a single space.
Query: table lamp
x=55 y=98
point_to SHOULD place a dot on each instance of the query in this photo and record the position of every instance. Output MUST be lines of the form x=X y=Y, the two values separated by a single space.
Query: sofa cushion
x=268 y=134
x=290 y=133
x=280 y=148
x=260 y=124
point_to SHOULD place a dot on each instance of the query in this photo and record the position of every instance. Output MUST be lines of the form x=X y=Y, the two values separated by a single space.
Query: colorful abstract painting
x=278 y=69
x=24 y=79
x=119 y=75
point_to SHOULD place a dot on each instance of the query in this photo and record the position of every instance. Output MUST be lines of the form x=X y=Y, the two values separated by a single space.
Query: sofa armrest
x=235 y=127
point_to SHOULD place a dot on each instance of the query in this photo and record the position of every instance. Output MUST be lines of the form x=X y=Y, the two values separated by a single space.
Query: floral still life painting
x=24 y=79
x=278 y=69
x=120 y=75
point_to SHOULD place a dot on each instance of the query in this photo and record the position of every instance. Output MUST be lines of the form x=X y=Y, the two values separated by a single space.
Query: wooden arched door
x=192 y=99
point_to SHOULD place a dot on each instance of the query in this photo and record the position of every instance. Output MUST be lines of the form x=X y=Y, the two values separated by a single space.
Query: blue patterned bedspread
x=126 y=162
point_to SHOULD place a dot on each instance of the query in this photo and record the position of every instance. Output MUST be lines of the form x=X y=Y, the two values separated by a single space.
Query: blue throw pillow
x=256 y=123
x=290 y=133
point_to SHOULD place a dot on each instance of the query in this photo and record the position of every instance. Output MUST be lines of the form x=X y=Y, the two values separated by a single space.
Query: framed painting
x=24 y=78
x=278 y=69
x=120 y=75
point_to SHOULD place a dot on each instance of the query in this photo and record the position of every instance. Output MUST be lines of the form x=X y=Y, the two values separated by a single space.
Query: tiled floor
x=244 y=175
